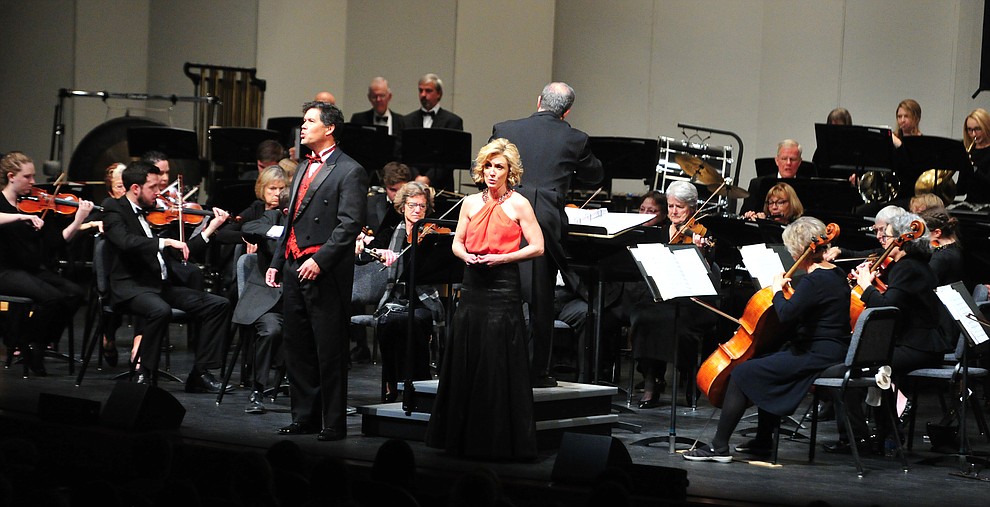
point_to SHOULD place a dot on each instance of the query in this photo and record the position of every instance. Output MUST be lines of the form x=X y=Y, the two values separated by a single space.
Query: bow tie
x=314 y=159
x=381 y=119
x=429 y=113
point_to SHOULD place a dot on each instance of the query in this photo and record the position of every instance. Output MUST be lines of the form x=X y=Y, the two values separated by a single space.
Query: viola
x=878 y=266
x=757 y=331
x=39 y=200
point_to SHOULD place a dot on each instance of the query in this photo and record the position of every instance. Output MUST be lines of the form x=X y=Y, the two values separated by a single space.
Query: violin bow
x=592 y=197
x=684 y=226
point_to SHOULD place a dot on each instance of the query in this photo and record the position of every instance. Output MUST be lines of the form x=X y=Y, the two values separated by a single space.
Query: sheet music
x=609 y=223
x=676 y=273
x=275 y=231
x=762 y=262
x=962 y=312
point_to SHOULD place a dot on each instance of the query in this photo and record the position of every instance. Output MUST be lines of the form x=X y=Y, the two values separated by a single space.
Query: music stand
x=623 y=158
x=930 y=152
x=768 y=165
x=673 y=278
x=438 y=151
x=855 y=147
x=287 y=128
x=370 y=145
x=430 y=261
x=173 y=142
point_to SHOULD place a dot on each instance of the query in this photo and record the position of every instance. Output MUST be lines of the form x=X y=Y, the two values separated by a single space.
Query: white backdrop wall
x=766 y=69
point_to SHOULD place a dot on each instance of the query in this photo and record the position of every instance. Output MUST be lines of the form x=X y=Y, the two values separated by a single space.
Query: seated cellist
x=777 y=382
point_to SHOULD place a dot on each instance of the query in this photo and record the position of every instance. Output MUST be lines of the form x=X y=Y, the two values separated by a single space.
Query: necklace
x=485 y=196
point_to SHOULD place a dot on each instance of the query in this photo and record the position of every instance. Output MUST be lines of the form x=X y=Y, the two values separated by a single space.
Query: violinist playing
x=414 y=201
x=27 y=240
x=919 y=342
x=780 y=205
x=651 y=323
x=778 y=382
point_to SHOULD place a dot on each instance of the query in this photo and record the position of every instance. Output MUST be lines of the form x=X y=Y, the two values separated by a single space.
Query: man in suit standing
x=430 y=114
x=551 y=152
x=314 y=263
x=139 y=279
x=379 y=94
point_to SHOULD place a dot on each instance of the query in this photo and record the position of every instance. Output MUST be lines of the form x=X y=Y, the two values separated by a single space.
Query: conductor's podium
x=569 y=407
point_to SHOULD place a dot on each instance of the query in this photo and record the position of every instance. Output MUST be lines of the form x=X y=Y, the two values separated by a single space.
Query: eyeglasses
x=974 y=129
x=415 y=205
x=777 y=203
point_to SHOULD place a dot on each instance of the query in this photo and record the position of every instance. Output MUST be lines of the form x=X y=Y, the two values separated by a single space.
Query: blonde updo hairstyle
x=495 y=148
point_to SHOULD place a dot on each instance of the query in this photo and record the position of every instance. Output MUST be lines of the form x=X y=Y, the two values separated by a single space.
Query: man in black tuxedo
x=552 y=151
x=379 y=94
x=314 y=259
x=139 y=279
x=788 y=160
x=430 y=114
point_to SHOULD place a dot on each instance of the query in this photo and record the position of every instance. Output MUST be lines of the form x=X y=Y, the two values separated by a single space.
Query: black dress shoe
x=329 y=435
x=36 y=360
x=204 y=382
x=864 y=446
x=651 y=403
x=545 y=381
x=295 y=429
x=255 y=406
x=110 y=355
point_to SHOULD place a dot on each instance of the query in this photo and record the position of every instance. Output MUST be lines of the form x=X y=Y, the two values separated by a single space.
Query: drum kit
x=701 y=164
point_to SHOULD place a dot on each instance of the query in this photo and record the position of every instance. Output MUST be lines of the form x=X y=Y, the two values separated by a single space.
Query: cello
x=757 y=331
x=856 y=304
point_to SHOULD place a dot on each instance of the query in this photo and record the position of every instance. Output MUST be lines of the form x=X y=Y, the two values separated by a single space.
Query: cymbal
x=699 y=170
x=730 y=191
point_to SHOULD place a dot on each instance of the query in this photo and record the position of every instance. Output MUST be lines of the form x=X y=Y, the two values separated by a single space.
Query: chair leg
x=911 y=416
x=814 y=426
x=90 y=344
x=230 y=370
x=981 y=421
x=840 y=411
x=776 y=441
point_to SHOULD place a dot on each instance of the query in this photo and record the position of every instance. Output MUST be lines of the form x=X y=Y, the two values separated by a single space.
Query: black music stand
x=767 y=166
x=930 y=152
x=430 y=261
x=856 y=148
x=370 y=145
x=438 y=152
x=173 y=142
x=287 y=128
x=818 y=194
x=679 y=295
x=623 y=158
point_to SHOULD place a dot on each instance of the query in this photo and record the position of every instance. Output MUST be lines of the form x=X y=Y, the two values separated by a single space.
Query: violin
x=40 y=200
x=685 y=234
x=428 y=229
x=757 y=331
x=192 y=214
x=878 y=266
x=370 y=251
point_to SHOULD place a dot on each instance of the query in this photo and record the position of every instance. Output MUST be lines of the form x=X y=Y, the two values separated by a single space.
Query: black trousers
x=210 y=311
x=56 y=300
x=538 y=278
x=267 y=342
x=315 y=344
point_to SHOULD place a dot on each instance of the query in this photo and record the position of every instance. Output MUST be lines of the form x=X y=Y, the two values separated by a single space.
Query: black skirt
x=484 y=404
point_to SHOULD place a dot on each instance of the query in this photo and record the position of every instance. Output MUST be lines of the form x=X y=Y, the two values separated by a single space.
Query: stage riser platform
x=569 y=407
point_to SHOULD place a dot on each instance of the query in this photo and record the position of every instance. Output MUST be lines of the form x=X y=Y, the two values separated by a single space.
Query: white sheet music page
x=762 y=262
x=603 y=221
x=961 y=311
x=677 y=273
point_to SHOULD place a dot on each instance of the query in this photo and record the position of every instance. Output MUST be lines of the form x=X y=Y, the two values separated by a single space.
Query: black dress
x=778 y=382
x=484 y=404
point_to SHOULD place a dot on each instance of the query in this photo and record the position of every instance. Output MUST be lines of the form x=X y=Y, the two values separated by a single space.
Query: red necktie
x=314 y=159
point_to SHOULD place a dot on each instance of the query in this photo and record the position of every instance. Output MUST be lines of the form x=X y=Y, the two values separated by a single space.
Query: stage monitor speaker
x=68 y=410
x=142 y=407
x=582 y=458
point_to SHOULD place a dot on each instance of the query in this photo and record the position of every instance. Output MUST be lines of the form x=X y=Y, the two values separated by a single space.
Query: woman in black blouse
x=777 y=382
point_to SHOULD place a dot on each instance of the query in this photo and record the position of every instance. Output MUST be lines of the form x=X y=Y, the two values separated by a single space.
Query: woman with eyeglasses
x=781 y=205
x=414 y=201
x=976 y=139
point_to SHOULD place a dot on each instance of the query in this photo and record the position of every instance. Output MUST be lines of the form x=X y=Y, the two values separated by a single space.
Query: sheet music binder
x=673 y=271
x=961 y=305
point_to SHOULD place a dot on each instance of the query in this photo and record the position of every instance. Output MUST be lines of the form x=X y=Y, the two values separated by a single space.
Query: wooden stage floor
x=795 y=481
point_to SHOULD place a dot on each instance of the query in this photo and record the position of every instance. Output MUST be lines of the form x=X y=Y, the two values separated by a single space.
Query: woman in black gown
x=777 y=382
x=484 y=404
